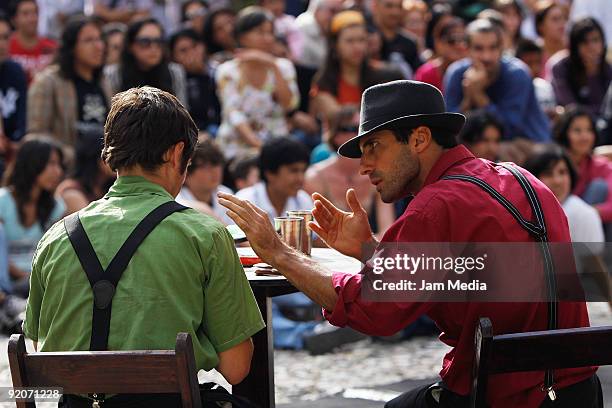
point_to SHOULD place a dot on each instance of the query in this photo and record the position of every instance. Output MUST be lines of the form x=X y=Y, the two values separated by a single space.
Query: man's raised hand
x=344 y=231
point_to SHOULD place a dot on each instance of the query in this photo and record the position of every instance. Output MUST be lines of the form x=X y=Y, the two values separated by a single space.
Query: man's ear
x=174 y=155
x=421 y=138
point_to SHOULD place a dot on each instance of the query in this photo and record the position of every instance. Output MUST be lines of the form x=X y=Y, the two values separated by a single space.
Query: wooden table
x=258 y=386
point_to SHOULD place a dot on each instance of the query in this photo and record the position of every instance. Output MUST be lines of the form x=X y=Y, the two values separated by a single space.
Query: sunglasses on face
x=147 y=42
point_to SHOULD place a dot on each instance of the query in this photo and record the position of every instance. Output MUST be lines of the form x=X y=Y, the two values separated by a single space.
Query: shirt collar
x=447 y=160
x=135 y=185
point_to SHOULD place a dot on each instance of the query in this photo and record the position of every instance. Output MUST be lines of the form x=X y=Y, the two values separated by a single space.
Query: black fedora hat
x=402 y=103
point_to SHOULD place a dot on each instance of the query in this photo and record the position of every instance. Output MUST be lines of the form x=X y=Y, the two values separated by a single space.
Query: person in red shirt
x=407 y=145
x=34 y=53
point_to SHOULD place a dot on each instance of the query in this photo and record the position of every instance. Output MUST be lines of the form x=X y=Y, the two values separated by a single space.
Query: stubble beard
x=397 y=183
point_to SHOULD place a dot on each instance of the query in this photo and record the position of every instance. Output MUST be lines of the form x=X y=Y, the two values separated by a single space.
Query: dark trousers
x=585 y=394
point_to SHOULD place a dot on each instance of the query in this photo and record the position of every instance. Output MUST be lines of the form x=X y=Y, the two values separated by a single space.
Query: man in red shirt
x=406 y=145
x=34 y=53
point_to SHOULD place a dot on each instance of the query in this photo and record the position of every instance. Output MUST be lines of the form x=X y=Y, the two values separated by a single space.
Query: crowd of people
x=275 y=94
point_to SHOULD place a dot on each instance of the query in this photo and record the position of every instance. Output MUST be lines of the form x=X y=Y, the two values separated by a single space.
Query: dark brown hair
x=143 y=123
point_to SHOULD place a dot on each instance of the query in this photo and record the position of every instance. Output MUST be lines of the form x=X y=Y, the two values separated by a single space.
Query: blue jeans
x=289 y=333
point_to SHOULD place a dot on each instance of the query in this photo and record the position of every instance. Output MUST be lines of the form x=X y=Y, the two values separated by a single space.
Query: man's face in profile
x=485 y=49
x=390 y=165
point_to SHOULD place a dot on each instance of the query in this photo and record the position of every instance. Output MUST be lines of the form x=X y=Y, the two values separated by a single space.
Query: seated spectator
x=440 y=14
x=185 y=276
x=450 y=46
x=203 y=181
x=66 y=100
x=114 y=37
x=600 y=9
x=256 y=89
x=550 y=24
x=482 y=134
x=91 y=177
x=398 y=48
x=314 y=24
x=122 y=11
x=512 y=15
x=282 y=165
x=11 y=307
x=347 y=70
x=553 y=167
x=576 y=132
x=501 y=85
x=26 y=47
x=28 y=207
x=416 y=16
x=531 y=54
x=193 y=15
x=219 y=34
x=332 y=177
x=187 y=49
x=584 y=75
x=13 y=92
x=143 y=63
x=243 y=172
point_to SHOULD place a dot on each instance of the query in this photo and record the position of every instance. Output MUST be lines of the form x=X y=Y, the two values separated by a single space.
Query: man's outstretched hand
x=256 y=225
x=344 y=231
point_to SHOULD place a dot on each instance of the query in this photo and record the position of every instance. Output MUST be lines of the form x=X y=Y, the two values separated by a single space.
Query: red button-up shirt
x=455 y=211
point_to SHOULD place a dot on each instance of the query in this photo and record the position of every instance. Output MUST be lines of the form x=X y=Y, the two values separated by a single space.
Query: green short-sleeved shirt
x=185 y=277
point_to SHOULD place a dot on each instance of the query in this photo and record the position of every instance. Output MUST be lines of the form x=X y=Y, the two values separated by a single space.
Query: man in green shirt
x=185 y=276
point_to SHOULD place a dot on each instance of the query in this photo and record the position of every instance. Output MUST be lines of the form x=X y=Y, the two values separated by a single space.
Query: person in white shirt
x=282 y=165
x=203 y=181
x=552 y=166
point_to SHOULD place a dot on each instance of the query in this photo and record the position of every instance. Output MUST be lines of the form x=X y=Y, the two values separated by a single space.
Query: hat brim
x=447 y=121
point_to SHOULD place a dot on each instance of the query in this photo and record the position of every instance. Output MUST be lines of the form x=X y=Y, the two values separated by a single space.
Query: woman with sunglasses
x=333 y=176
x=193 y=15
x=144 y=62
x=450 y=46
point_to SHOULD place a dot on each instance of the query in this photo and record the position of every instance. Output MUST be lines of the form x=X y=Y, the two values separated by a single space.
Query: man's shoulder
x=458 y=67
x=54 y=237
x=515 y=69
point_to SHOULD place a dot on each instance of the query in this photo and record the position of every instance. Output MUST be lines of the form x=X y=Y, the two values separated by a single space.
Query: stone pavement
x=359 y=375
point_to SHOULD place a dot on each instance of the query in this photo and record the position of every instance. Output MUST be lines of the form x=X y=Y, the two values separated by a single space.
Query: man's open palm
x=344 y=231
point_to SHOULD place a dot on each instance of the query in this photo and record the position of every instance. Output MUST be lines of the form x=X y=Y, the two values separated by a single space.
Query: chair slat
x=80 y=374
x=109 y=372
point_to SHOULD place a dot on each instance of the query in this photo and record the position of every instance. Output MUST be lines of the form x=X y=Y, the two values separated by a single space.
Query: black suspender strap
x=536 y=229
x=104 y=282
